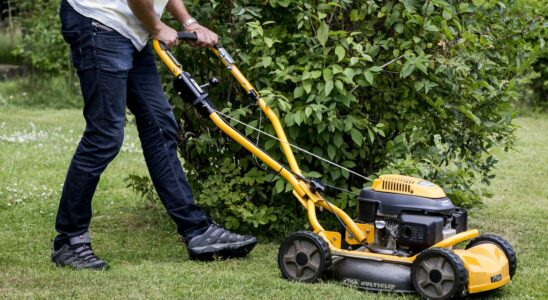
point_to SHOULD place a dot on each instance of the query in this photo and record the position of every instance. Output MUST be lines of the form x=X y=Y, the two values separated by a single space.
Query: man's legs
x=109 y=67
x=158 y=133
x=102 y=59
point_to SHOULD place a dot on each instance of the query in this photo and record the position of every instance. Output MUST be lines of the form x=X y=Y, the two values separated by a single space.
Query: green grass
x=148 y=261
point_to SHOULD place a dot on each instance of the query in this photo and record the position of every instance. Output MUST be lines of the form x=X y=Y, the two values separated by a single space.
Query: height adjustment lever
x=316 y=185
x=212 y=82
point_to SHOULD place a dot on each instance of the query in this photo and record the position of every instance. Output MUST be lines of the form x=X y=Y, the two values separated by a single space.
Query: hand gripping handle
x=187 y=36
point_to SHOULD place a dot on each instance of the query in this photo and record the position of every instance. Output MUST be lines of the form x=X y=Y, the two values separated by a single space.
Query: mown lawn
x=148 y=261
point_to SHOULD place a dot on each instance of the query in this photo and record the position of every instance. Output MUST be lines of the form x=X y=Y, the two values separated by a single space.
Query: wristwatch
x=188 y=22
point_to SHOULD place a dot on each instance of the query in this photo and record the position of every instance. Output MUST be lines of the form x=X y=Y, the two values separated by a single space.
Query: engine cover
x=371 y=203
x=419 y=231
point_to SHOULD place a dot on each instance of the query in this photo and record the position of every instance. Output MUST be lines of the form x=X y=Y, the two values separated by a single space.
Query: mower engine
x=408 y=214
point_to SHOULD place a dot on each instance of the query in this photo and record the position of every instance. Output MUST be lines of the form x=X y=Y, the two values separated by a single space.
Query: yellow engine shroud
x=407 y=185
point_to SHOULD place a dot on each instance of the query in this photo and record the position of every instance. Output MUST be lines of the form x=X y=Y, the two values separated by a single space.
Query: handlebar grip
x=187 y=36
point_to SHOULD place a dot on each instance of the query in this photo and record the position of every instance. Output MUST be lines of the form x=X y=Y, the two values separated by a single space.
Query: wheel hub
x=436 y=277
x=302 y=259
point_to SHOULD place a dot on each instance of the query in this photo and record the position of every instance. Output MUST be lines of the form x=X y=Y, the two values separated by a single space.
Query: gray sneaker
x=219 y=242
x=77 y=254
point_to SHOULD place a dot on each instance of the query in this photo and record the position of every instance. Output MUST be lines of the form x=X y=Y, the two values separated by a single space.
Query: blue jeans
x=113 y=74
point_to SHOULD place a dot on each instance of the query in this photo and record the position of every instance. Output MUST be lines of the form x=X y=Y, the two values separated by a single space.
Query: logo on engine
x=496 y=278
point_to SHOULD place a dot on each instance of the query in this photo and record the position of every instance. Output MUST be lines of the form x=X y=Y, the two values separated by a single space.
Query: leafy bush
x=51 y=80
x=7 y=46
x=418 y=88
x=42 y=45
x=423 y=88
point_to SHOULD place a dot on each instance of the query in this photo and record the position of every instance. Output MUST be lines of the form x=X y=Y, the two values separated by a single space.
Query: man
x=116 y=68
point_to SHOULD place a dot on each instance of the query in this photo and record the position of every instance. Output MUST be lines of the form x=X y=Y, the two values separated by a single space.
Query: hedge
x=422 y=88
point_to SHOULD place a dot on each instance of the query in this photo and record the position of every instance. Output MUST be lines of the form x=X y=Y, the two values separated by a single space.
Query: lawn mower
x=404 y=235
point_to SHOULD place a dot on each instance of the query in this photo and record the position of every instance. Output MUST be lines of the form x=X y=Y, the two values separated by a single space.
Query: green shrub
x=418 y=88
x=51 y=80
x=8 y=40
x=423 y=88
x=42 y=45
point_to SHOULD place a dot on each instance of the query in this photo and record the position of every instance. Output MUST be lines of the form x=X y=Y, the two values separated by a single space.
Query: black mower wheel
x=304 y=256
x=502 y=244
x=439 y=274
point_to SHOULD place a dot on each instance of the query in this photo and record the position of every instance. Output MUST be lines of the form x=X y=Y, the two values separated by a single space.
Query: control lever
x=212 y=82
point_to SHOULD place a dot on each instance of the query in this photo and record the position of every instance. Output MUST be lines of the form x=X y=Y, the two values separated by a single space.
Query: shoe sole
x=222 y=251
x=101 y=268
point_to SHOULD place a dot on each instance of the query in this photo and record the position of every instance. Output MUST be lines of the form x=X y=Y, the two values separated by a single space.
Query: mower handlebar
x=187 y=36
x=182 y=36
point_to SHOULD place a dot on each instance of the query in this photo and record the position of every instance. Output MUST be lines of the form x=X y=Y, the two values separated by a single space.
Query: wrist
x=189 y=21
x=156 y=28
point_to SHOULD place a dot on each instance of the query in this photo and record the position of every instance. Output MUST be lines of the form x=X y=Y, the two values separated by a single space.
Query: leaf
x=267 y=61
x=349 y=73
x=446 y=14
x=369 y=76
x=298 y=92
x=312 y=174
x=308 y=111
x=375 y=69
x=307 y=85
x=328 y=87
x=327 y=74
x=315 y=74
x=407 y=70
x=357 y=136
x=340 y=86
x=399 y=28
x=371 y=135
x=409 y=5
x=322 y=33
x=338 y=140
x=280 y=186
x=298 y=118
x=431 y=27
x=340 y=52
x=466 y=8
x=331 y=151
x=348 y=164
x=367 y=58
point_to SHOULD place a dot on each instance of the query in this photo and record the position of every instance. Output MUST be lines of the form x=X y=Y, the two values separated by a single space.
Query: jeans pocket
x=114 y=51
x=76 y=52
x=81 y=48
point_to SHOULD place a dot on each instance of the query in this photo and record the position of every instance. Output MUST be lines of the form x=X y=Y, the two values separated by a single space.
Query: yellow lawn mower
x=403 y=237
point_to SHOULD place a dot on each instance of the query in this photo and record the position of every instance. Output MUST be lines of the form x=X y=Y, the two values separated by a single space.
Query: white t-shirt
x=117 y=15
